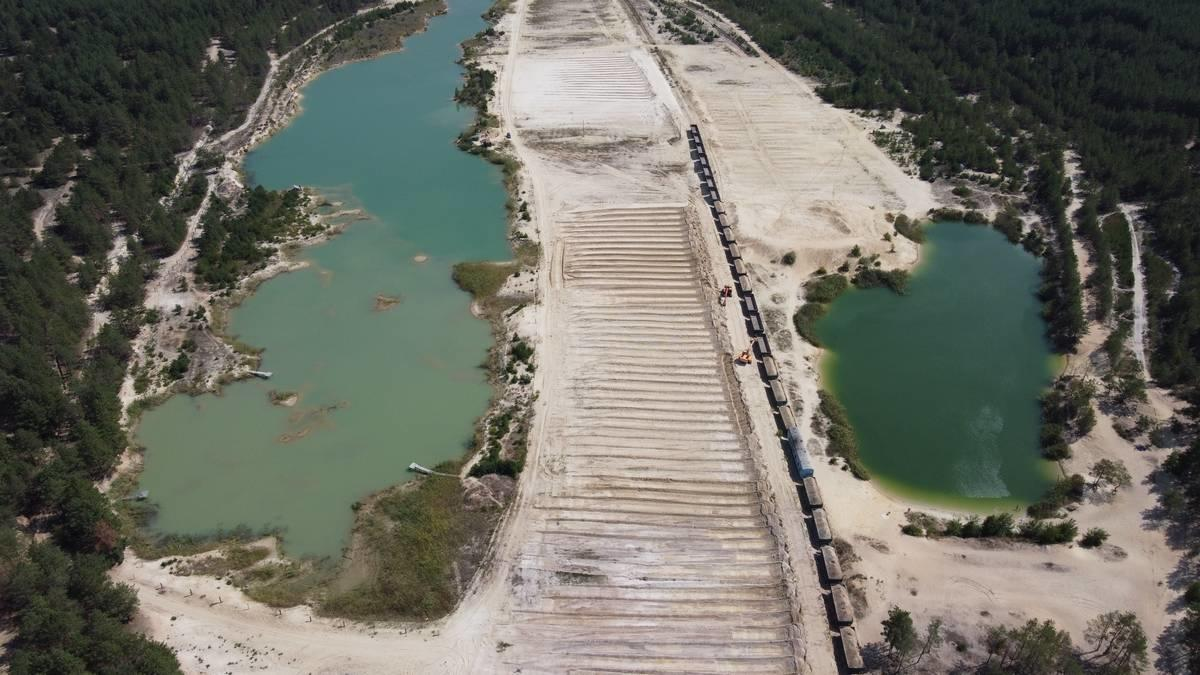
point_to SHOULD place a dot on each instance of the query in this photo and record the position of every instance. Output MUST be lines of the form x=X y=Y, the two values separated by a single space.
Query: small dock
x=425 y=471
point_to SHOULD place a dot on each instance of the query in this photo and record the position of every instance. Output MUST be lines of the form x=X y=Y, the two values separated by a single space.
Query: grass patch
x=153 y=547
x=286 y=584
x=231 y=559
x=416 y=532
x=528 y=253
x=483 y=280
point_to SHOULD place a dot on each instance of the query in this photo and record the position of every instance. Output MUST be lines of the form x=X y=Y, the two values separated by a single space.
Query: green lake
x=379 y=389
x=941 y=384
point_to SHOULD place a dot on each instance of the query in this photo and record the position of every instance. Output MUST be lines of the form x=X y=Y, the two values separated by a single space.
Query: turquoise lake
x=378 y=389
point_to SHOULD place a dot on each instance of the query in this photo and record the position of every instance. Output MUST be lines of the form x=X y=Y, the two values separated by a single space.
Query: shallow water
x=379 y=389
x=941 y=384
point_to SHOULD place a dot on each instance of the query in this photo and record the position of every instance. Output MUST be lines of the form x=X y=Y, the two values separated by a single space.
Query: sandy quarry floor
x=656 y=528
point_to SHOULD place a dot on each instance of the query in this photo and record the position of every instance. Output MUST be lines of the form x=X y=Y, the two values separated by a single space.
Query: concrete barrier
x=821 y=524
x=812 y=493
x=829 y=560
x=843 y=611
x=851 y=651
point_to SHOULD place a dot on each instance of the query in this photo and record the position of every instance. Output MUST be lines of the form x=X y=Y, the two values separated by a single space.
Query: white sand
x=655 y=525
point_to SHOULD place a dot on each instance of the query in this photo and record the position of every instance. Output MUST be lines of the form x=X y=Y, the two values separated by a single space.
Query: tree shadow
x=1181 y=535
x=1170 y=655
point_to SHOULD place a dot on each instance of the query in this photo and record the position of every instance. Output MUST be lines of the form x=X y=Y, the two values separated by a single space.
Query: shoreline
x=502 y=322
x=940 y=502
x=278 y=105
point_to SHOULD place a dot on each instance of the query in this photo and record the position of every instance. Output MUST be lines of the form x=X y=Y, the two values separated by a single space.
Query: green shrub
x=179 y=367
x=1044 y=533
x=1008 y=223
x=998 y=525
x=520 y=351
x=974 y=217
x=895 y=280
x=1093 y=538
x=909 y=229
x=805 y=321
x=842 y=440
x=946 y=214
x=788 y=258
x=825 y=289
x=972 y=528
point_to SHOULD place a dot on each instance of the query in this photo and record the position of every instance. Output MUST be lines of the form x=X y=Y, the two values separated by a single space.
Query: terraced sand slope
x=648 y=549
